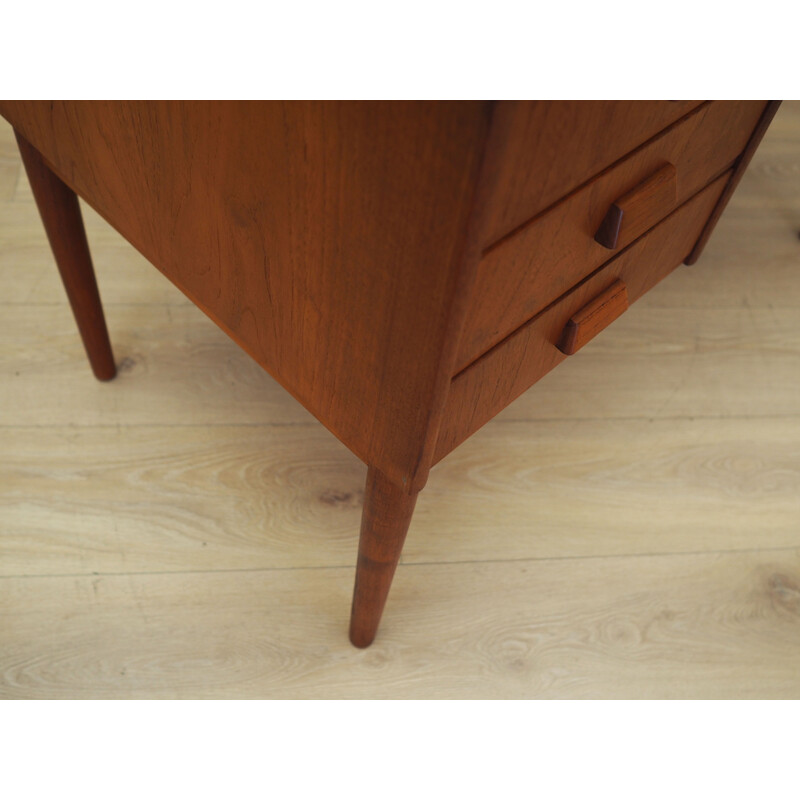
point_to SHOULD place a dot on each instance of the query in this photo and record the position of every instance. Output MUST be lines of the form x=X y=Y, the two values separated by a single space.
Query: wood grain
x=94 y=499
x=715 y=626
x=9 y=175
x=79 y=500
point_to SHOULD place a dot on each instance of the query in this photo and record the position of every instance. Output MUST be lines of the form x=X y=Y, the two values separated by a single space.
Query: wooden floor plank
x=613 y=487
x=86 y=500
x=8 y=143
x=721 y=626
x=737 y=269
x=9 y=175
x=109 y=500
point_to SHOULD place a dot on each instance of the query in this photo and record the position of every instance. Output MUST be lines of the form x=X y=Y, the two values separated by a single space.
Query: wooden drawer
x=525 y=272
x=541 y=149
x=486 y=387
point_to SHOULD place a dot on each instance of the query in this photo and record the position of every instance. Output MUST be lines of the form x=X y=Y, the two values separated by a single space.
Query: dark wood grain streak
x=739 y=170
x=61 y=215
x=384 y=524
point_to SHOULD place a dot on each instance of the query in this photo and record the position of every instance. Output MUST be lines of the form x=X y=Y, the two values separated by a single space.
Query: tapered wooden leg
x=384 y=524
x=61 y=215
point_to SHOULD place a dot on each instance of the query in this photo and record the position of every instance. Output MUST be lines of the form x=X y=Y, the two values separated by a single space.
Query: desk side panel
x=324 y=237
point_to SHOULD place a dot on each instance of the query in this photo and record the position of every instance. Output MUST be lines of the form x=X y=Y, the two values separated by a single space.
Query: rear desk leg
x=61 y=215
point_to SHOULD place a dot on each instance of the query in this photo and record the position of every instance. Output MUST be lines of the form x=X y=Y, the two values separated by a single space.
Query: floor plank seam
x=312 y=423
x=465 y=562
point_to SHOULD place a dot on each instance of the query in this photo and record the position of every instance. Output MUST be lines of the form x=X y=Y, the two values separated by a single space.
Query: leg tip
x=105 y=373
x=360 y=639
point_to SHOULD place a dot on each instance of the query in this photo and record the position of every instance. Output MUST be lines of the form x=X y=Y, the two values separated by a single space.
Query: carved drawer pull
x=587 y=322
x=640 y=209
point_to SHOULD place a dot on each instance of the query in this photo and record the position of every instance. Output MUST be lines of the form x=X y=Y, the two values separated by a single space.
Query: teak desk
x=404 y=269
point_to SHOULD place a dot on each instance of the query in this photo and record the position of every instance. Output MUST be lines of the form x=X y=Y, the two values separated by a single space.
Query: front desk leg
x=384 y=524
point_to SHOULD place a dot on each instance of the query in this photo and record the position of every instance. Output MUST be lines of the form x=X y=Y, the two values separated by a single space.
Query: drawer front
x=522 y=274
x=486 y=387
x=541 y=153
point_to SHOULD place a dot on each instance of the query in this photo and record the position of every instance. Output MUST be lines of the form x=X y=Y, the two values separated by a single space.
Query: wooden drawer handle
x=586 y=323
x=641 y=208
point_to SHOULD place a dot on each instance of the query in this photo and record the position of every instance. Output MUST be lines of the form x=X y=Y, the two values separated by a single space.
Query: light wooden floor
x=629 y=528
